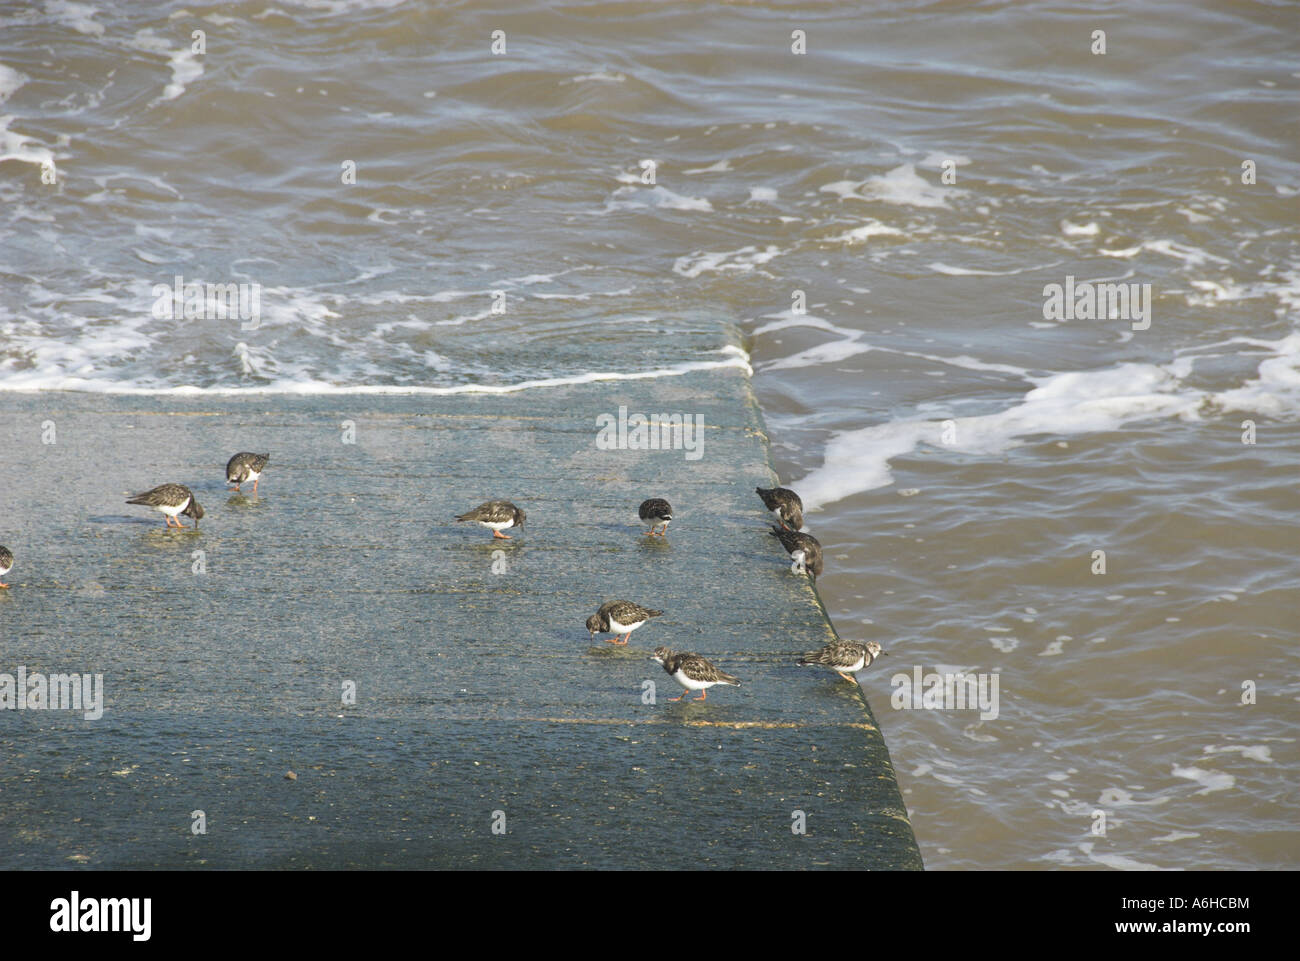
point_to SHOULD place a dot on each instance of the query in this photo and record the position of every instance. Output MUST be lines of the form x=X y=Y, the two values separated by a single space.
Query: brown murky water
x=882 y=215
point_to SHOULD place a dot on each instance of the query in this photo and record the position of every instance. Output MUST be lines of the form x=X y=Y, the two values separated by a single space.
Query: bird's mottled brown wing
x=625 y=612
x=699 y=669
x=493 y=512
x=838 y=654
x=170 y=495
x=656 y=508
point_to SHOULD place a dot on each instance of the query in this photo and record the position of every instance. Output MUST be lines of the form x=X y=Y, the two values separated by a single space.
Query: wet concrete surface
x=487 y=731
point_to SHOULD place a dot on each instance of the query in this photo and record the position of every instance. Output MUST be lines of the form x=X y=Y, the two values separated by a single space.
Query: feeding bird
x=619 y=617
x=173 y=500
x=784 y=503
x=497 y=515
x=691 y=671
x=245 y=467
x=654 y=512
x=804 y=549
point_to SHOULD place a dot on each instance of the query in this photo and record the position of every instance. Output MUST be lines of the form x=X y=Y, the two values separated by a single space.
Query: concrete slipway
x=480 y=701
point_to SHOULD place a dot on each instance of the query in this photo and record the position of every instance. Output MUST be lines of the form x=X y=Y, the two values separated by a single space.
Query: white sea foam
x=1210 y=781
x=861 y=234
x=1119 y=862
x=184 y=64
x=257 y=361
x=1072 y=402
x=333 y=7
x=632 y=197
x=721 y=166
x=849 y=344
x=1089 y=229
x=1256 y=752
x=941 y=268
x=1276 y=391
x=902 y=186
x=79 y=16
x=600 y=76
x=14 y=145
x=10 y=81
x=742 y=260
x=1188 y=254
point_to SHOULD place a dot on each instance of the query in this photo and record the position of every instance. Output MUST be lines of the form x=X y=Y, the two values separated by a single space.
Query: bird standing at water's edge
x=785 y=504
x=844 y=657
x=804 y=549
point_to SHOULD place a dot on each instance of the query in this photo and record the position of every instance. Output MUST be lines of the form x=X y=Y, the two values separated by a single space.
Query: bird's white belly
x=618 y=628
x=498 y=525
x=691 y=684
x=854 y=667
x=6 y=570
x=171 y=511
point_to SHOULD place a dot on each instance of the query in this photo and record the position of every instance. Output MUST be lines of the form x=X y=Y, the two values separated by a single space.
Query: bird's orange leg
x=703 y=694
x=255 y=483
x=846 y=677
x=5 y=586
x=678 y=697
x=504 y=537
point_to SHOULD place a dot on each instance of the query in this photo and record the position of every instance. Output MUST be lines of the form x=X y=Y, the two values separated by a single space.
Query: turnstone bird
x=173 y=500
x=654 y=512
x=498 y=515
x=805 y=549
x=784 y=503
x=692 y=672
x=6 y=562
x=619 y=617
x=844 y=657
x=246 y=467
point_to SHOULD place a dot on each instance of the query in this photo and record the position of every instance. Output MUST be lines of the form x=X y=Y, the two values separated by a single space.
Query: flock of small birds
x=619 y=618
x=690 y=670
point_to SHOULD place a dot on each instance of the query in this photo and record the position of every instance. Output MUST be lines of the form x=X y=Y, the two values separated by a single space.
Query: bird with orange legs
x=497 y=516
x=656 y=511
x=692 y=672
x=172 y=500
x=619 y=617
